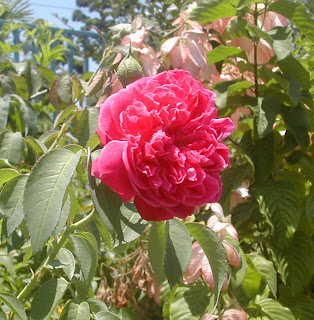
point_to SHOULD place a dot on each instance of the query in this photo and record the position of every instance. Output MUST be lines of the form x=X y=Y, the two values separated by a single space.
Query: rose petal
x=109 y=168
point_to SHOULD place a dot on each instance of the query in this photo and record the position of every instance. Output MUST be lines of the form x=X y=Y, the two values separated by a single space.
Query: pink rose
x=162 y=145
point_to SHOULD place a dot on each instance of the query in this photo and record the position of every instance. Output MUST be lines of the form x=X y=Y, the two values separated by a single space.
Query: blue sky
x=64 y=8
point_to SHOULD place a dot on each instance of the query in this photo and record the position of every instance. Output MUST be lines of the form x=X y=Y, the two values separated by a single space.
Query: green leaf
x=222 y=52
x=65 y=212
x=215 y=252
x=190 y=302
x=226 y=89
x=295 y=263
x=65 y=260
x=37 y=146
x=297 y=13
x=178 y=250
x=265 y=113
x=252 y=280
x=97 y=305
x=266 y=269
x=281 y=203
x=14 y=304
x=44 y=193
x=64 y=89
x=294 y=68
x=156 y=249
x=211 y=10
x=132 y=224
x=28 y=112
x=4 y=110
x=106 y=315
x=47 y=299
x=107 y=204
x=6 y=175
x=279 y=38
x=310 y=207
x=236 y=29
x=11 y=146
x=273 y=310
x=2 y=315
x=304 y=309
x=262 y=154
x=233 y=177
x=78 y=311
x=298 y=121
x=64 y=114
x=11 y=202
x=98 y=83
x=86 y=254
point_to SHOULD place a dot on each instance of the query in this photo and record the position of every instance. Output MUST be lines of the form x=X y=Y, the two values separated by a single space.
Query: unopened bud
x=129 y=70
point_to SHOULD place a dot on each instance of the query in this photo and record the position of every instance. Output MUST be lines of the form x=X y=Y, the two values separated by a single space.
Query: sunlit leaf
x=44 y=192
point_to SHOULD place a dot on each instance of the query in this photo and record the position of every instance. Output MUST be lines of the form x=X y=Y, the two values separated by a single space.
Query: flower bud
x=129 y=70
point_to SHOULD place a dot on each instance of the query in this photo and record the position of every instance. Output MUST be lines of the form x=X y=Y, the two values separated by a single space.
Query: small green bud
x=129 y=70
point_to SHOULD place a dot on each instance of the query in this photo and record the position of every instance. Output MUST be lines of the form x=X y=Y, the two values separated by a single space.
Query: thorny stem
x=42 y=269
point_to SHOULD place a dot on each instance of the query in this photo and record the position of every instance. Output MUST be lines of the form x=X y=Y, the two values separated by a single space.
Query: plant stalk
x=42 y=269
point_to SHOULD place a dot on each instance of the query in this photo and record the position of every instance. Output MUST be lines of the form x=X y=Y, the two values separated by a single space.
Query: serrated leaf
x=156 y=249
x=303 y=310
x=78 y=311
x=4 y=110
x=28 y=113
x=7 y=174
x=298 y=121
x=222 y=52
x=64 y=114
x=273 y=310
x=107 y=204
x=298 y=13
x=132 y=224
x=65 y=261
x=64 y=89
x=178 y=250
x=86 y=254
x=294 y=68
x=262 y=154
x=11 y=202
x=97 y=305
x=266 y=269
x=65 y=212
x=14 y=304
x=236 y=29
x=215 y=252
x=226 y=89
x=279 y=38
x=47 y=298
x=11 y=146
x=190 y=302
x=211 y=10
x=44 y=193
x=106 y=315
x=281 y=203
x=37 y=146
x=295 y=263
x=265 y=113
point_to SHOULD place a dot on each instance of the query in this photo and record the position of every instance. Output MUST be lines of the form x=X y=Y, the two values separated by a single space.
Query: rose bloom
x=162 y=145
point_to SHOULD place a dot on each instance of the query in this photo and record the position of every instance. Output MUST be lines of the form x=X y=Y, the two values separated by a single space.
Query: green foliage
x=93 y=256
